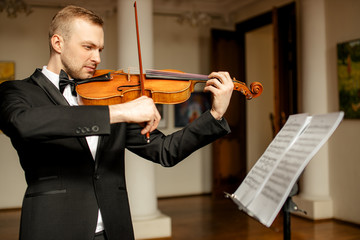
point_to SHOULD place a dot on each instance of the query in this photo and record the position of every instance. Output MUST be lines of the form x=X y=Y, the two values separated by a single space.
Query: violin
x=109 y=87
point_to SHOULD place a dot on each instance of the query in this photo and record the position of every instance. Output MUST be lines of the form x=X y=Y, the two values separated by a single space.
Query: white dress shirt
x=91 y=140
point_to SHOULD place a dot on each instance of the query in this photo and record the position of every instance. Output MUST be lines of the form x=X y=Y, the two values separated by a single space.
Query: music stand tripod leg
x=290 y=206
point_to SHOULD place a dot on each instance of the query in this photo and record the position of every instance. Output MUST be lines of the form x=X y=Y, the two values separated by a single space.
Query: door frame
x=285 y=58
x=285 y=75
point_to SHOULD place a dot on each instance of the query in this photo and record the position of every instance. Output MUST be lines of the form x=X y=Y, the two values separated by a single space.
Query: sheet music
x=261 y=171
x=269 y=197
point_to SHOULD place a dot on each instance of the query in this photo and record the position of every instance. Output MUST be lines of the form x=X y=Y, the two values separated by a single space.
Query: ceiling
x=193 y=12
x=211 y=6
x=215 y=7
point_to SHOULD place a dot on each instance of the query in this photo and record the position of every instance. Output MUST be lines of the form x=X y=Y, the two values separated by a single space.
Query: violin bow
x=142 y=77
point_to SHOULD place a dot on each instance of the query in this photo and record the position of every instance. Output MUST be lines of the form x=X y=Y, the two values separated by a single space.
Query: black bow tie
x=64 y=81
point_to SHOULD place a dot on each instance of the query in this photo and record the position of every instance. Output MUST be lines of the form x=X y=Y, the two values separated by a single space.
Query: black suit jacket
x=65 y=185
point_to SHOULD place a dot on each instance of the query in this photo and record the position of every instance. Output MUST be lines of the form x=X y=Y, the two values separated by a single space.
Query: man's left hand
x=221 y=86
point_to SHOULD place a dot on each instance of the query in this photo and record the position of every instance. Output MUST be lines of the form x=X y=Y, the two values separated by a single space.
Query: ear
x=57 y=43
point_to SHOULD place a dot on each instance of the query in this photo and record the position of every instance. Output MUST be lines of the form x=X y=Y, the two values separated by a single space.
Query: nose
x=96 y=57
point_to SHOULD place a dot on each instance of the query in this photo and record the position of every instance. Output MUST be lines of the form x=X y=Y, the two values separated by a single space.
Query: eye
x=87 y=47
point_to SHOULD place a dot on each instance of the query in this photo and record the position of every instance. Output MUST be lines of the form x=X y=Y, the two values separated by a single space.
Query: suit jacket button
x=95 y=128
x=78 y=131
x=97 y=177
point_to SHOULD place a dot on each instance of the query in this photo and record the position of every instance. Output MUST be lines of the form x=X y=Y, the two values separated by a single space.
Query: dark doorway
x=229 y=162
x=228 y=54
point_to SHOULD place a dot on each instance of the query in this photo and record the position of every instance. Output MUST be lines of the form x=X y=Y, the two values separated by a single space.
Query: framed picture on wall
x=348 y=67
x=163 y=110
x=7 y=71
x=188 y=111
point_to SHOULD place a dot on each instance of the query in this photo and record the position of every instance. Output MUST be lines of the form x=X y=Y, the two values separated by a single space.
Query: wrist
x=216 y=115
x=116 y=114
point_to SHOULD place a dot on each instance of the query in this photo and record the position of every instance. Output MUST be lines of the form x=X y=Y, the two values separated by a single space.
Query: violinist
x=73 y=156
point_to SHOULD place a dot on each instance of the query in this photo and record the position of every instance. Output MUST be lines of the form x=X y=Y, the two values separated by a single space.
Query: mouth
x=90 y=68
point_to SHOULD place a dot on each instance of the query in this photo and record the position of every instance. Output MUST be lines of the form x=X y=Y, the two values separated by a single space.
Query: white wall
x=12 y=181
x=342 y=18
x=259 y=67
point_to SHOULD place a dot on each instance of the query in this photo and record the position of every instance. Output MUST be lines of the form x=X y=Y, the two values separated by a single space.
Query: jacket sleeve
x=171 y=149
x=25 y=112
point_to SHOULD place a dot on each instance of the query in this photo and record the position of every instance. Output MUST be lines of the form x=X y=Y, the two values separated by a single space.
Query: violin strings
x=151 y=73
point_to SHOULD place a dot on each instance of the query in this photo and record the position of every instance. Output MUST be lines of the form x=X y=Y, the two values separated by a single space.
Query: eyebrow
x=92 y=44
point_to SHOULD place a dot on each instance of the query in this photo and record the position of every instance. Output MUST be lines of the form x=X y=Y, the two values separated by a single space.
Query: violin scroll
x=255 y=90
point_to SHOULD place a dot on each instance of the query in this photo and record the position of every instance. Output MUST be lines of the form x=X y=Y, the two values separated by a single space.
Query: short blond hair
x=61 y=22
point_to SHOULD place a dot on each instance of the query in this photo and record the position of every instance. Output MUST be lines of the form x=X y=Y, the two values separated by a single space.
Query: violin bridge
x=128 y=75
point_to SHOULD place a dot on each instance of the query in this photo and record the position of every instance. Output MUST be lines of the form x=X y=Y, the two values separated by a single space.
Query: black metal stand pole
x=288 y=207
x=287 y=219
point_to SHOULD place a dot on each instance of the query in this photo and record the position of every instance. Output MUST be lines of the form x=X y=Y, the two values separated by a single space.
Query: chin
x=90 y=75
x=87 y=75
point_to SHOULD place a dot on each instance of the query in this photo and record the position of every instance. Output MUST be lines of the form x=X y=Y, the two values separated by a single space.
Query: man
x=73 y=156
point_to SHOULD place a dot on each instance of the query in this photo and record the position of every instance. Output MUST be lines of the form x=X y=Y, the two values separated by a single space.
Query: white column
x=140 y=174
x=314 y=184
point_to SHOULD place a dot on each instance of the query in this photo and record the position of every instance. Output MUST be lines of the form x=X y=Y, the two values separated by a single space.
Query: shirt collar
x=53 y=77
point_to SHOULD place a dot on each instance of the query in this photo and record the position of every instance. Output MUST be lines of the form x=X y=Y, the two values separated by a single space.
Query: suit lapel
x=49 y=88
x=55 y=96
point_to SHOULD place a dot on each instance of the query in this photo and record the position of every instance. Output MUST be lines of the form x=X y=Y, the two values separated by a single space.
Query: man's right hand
x=140 y=110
